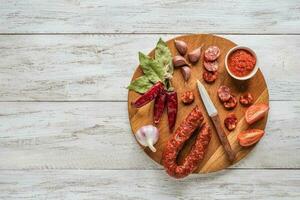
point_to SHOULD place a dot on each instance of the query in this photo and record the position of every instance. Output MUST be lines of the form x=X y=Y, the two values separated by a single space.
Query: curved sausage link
x=176 y=142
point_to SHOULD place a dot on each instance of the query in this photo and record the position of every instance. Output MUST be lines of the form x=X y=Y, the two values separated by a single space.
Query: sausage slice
x=212 y=53
x=211 y=66
x=224 y=93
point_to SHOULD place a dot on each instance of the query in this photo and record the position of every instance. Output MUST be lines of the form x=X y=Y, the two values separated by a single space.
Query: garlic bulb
x=147 y=136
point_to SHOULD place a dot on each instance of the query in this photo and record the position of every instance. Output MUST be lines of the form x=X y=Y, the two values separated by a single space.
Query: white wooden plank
x=97 y=135
x=99 y=67
x=149 y=16
x=148 y=184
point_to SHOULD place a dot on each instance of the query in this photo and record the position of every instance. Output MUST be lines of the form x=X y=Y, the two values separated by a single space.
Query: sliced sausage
x=210 y=77
x=211 y=66
x=230 y=122
x=224 y=93
x=187 y=97
x=246 y=99
x=212 y=53
x=231 y=103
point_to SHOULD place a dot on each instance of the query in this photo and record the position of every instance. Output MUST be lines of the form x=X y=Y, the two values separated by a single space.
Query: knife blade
x=209 y=105
x=213 y=113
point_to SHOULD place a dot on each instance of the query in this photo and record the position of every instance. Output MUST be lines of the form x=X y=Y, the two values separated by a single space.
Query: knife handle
x=223 y=138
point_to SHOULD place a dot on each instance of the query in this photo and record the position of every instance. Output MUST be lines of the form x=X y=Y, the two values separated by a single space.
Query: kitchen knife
x=213 y=113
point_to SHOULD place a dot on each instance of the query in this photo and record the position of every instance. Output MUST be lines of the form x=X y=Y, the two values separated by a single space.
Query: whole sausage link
x=176 y=142
x=197 y=152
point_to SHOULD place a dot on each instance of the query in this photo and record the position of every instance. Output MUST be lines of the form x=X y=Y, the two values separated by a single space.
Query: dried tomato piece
x=231 y=103
x=210 y=77
x=246 y=99
x=230 y=122
x=187 y=97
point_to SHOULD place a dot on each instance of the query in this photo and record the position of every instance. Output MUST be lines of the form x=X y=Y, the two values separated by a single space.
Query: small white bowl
x=253 y=72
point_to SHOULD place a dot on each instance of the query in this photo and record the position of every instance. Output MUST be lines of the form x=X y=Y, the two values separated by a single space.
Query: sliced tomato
x=249 y=137
x=256 y=112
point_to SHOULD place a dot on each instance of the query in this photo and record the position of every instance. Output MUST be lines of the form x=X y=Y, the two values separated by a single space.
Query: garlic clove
x=147 y=136
x=194 y=55
x=186 y=72
x=179 y=61
x=181 y=46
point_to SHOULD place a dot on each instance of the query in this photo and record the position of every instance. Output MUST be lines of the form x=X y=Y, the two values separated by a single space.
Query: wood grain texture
x=99 y=67
x=97 y=135
x=215 y=158
x=149 y=16
x=148 y=184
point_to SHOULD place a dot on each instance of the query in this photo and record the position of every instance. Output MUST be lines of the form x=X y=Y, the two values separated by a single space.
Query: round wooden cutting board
x=215 y=158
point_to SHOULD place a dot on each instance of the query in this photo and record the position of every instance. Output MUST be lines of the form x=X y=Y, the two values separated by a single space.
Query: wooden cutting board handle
x=223 y=138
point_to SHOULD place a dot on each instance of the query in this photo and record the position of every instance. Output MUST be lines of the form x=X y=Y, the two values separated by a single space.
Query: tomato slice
x=250 y=137
x=256 y=112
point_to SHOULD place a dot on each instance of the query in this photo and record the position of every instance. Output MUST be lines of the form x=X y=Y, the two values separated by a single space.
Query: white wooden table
x=64 y=65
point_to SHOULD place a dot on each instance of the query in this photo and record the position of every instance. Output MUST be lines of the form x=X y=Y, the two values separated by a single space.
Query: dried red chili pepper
x=172 y=106
x=159 y=106
x=149 y=95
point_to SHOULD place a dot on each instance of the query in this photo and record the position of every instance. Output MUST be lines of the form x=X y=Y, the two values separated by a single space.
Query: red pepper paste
x=241 y=62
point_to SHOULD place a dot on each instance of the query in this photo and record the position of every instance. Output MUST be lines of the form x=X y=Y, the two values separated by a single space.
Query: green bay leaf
x=151 y=68
x=164 y=57
x=141 y=85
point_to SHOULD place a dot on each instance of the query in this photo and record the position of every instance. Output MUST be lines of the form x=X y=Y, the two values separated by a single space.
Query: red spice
x=241 y=62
